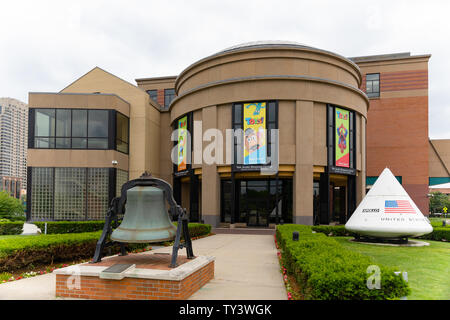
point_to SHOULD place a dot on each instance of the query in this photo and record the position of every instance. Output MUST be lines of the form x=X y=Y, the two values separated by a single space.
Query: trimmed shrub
x=19 y=252
x=438 y=234
x=338 y=231
x=60 y=227
x=326 y=270
x=11 y=228
x=198 y=229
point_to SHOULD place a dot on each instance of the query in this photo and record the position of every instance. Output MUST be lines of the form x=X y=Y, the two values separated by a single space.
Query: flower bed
x=325 y=270
x=8 y=277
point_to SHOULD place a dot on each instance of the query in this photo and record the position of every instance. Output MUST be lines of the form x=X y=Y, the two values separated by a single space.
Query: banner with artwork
x=342 y=138
x=182 y=143
x=255 y=150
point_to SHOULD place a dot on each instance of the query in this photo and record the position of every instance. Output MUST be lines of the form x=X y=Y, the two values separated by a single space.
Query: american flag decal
x=398 y=206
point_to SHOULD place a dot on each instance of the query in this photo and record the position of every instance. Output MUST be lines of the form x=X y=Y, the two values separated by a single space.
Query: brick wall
x=135 y=288
x=397 y=137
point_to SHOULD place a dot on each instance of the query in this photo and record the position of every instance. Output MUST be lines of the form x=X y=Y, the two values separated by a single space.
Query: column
x=210 y=177
x=304 y=151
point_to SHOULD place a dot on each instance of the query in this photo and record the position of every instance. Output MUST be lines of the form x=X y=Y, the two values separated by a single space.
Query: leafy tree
x=10 y=207
x=438 y=201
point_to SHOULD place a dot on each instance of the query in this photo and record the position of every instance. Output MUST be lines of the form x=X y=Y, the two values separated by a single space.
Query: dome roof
x=264 y=43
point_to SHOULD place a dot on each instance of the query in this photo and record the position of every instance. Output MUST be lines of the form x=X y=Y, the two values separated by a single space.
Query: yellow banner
x=255 y=150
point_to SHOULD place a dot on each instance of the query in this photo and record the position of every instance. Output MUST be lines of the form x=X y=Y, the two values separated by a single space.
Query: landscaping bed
x=20 y=252
x=325 y=270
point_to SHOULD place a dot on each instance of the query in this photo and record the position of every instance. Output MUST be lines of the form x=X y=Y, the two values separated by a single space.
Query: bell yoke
x=145 y=220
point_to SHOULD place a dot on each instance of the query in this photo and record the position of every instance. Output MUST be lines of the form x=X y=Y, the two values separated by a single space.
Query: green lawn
x=437 y=222
x=428 y=267
x=17 y=236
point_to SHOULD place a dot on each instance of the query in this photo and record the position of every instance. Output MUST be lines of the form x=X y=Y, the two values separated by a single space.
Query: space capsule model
x=387 y=211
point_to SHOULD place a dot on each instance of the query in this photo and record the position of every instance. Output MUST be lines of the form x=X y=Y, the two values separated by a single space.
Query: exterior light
x=114 y=162
x=295 y=236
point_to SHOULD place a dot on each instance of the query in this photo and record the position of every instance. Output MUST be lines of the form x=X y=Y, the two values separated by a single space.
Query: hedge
x=19 y=252
x=60 y=227
x=338 y=231
x=11 y=228
x=438 y=234
x=325 y=270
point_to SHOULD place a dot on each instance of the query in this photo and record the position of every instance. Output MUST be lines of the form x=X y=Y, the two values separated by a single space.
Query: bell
x=146 y=218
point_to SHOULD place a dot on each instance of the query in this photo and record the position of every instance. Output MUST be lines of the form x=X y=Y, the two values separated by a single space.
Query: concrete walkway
x=246 y=268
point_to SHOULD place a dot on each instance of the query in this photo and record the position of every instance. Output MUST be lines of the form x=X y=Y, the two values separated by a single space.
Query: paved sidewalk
x=246 y=268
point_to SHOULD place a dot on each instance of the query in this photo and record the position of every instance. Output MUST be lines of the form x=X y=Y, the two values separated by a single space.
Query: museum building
x=284 y=123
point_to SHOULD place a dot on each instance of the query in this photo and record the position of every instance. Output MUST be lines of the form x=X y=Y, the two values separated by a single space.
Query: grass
x=428 y=267
x=17 y=237
x=437 y=222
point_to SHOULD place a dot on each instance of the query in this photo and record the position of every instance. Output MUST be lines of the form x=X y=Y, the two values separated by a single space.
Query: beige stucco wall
x=145 y=123
x=277 y=60
x=77 y=158
x=78 y=101
x=303 y=82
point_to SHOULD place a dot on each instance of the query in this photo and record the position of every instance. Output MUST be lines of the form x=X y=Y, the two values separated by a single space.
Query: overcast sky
x=45 y=45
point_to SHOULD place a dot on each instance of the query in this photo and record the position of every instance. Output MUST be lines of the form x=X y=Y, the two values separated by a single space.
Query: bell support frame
x=118 y=206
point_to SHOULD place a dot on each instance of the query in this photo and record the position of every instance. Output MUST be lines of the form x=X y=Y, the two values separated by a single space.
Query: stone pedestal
x=147 y=276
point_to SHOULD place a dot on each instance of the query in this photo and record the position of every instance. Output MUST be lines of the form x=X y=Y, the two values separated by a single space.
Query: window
x=121 y=133
x=153 y=95
x=45 y=128
x=97 y=129
x=71 y=129
x=373 y=85
x=169 y=95
x=79 y=129
x=70 y=193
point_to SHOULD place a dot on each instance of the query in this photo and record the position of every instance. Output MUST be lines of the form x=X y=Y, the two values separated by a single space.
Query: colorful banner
x=342 y=138
x=182 y=143
x=255 y=150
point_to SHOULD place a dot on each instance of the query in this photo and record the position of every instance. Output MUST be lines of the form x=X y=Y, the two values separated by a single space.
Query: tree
x=438 y=201
x=10 y=207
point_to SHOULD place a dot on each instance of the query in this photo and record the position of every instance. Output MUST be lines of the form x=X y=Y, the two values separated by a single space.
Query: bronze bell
x=146 y=218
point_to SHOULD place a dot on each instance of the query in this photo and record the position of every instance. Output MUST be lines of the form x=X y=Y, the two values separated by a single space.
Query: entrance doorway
x=256 y=201
x=254 y=198
x=334 y=198
x=339 y=208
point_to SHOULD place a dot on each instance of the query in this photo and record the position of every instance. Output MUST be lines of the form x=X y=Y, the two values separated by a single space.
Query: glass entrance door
x=254 y=198
x=257 y=203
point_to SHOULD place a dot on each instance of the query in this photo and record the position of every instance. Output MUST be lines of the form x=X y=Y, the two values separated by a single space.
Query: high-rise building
x=13 y=145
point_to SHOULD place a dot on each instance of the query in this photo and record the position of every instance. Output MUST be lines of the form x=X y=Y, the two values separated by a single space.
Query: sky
x=45 y=45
